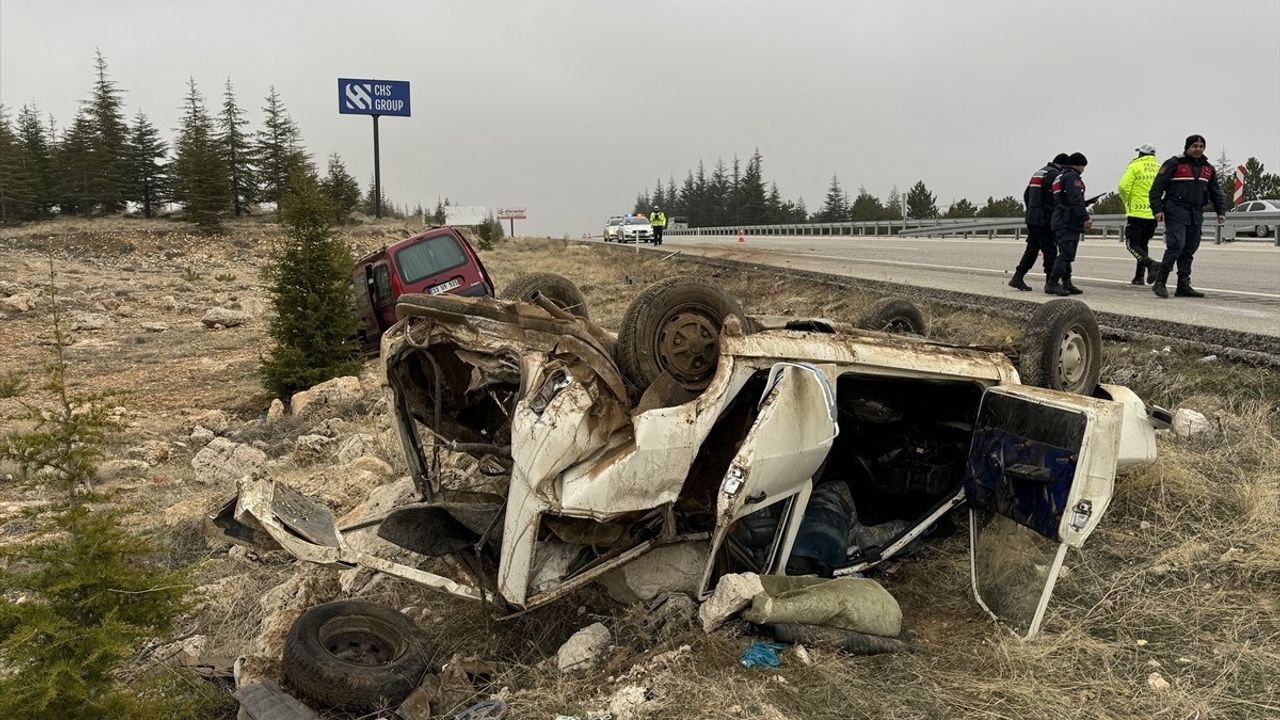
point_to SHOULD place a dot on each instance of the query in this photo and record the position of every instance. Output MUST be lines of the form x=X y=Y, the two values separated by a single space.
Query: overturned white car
x=801 y=445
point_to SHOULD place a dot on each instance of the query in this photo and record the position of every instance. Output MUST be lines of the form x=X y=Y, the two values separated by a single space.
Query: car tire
x=1062 y=348
x=674 y=326
x=354 y=656
x=557 y=288
x=1262 y=231
x=893 y=315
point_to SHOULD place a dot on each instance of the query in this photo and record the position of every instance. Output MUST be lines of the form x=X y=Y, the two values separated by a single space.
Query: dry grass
x=1182 y=578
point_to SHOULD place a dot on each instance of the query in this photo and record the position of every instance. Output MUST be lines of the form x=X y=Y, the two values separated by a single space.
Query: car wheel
x=1262 y=231
x=1062 y=348
x=355 y=656
x=558 y=289
x=674 y=326
x=893 y=315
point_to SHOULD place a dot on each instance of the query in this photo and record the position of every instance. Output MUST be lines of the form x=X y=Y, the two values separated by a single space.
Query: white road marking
x=988 y=271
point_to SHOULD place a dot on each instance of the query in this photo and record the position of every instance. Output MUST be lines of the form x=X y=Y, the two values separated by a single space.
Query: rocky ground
x=1171 y=610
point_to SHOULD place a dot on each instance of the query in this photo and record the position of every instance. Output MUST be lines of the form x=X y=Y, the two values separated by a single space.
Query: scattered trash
x=1209 y=358
x=491 y=709
x=802 y=654
x=733 y=593
x=762 y=654
x=1156 y=681
x=266 y=701
x=856 y=604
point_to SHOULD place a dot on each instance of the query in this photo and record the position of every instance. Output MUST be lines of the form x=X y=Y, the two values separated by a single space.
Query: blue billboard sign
x=373 y=97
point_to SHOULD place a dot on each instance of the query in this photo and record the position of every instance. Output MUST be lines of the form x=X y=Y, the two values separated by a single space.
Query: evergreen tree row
x=102 y=164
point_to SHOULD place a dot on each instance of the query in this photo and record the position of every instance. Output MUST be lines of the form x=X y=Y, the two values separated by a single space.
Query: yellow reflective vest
x=1135 y=186
x=659 y=219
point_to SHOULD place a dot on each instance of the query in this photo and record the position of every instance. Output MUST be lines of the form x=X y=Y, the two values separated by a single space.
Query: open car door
x=783 y=450
x=1039 y=476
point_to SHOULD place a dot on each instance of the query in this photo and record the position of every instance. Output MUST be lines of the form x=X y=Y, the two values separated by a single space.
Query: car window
x=616 y=221
x=381 y=283
x=637 y=221
x=429 y=257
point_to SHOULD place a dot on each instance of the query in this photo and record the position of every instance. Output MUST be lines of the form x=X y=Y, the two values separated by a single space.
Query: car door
x=382 y=294
x=778 y=458
x=1038 y=479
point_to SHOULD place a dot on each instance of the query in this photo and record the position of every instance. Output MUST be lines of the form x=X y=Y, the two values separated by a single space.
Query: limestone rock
x=329 y=394
x=215 y=420
x=1192 y=425
x=670 y=568
x=733 y=593
x=224 y=317
x=369 y=463
x=152 y=452
x=201 y=435
x=155 y=327
x=19 y=302
x=225 y=461
x=630 y=703
x=276 y=411
x=312 y=448
x=116 y=469
x=282 y=605
x=90 y=321
x=584 y=648
x=356 y=446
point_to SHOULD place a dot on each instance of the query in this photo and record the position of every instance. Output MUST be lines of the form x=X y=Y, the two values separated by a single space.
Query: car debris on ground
x=547 y=453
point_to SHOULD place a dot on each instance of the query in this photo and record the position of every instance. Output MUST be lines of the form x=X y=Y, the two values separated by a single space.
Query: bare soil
x=1180 y=585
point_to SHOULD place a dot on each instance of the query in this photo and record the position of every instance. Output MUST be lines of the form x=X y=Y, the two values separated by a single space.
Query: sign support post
x=513 y=214
x=377 y=172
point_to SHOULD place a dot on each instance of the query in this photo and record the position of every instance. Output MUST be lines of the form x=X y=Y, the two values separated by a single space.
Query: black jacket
x=1182 y=185
x=1038 y=197
x=1069 y=211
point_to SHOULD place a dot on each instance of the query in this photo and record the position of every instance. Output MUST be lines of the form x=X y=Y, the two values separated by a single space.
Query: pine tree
x=753 y=206
x=961 y=208
x=79 y=598
x=1005 y=207
x=148 y=174
x=866 y=207
x=834 y=208
x=341 y=189
x=200 y=178
x=110 y=139
x=233 y=144
x=893 y=205
x=277 y=149
x=74 y=165
x=1111 y=204
x=39 y=158
x=719 y=196
x=311 y=290
x=1259 y=184
x=921 y=203
x=17 y=196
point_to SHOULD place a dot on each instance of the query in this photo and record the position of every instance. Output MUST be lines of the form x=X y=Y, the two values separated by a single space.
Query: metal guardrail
x=1104 y=225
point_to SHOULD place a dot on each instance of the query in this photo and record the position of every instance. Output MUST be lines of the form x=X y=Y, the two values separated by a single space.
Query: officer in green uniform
x=658 y=220
x=1140 y=223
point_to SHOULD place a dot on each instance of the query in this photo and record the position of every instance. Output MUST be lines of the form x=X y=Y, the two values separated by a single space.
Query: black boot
x=1138 y=274
x=1184 y=289
x=1052 y=287
x=1071 y=289
x=1017 y=281
x=1153 y=268
x=1158 y=288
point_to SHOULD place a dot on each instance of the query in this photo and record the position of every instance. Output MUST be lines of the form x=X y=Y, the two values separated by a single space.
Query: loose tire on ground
x=557 y=288
x=674 y=326
x=893 y=315
x=354 y=656
x=1062 y=348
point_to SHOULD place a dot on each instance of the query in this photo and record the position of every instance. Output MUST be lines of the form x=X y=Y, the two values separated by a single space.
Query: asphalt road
x=1241 y=280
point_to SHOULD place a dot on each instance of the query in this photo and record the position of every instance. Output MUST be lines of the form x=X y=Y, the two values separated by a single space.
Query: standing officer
x=1140 y=224
x=658 y=220
x=1070 y=220
x=1177 y=199
x=1038 y=198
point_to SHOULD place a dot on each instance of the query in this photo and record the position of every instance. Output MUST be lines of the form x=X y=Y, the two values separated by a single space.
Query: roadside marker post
x=742 y=235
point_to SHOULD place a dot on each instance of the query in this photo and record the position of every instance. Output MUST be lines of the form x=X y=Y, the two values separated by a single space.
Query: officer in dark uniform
x=1177 y=198
x=1070 y=220
x=1038 y=198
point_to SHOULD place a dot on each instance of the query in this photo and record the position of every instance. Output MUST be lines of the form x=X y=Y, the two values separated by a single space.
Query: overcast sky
x=570 y=108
